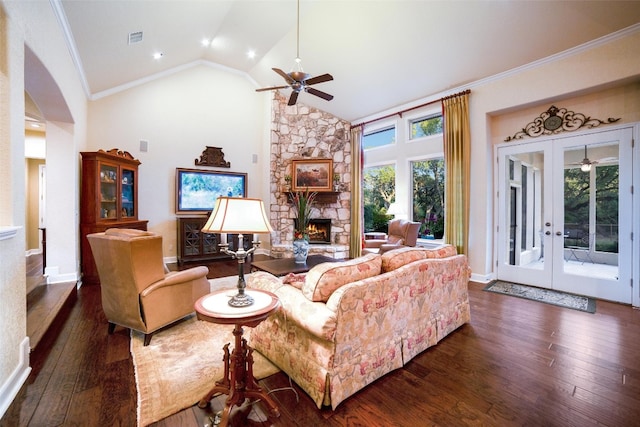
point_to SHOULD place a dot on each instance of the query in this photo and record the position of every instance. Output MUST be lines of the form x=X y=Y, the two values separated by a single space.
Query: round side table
x=238 y=382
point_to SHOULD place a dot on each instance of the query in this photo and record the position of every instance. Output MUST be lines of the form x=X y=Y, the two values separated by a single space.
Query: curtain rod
x=401 y=112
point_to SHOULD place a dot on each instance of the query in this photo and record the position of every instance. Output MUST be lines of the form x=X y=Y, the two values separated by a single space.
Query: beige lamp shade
x=238 y=215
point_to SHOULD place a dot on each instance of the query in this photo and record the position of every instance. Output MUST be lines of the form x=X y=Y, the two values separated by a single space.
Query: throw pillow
x=323 y=279
x=295 y=280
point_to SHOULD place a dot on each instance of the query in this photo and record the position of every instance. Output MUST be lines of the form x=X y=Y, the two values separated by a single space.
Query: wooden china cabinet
x=108 y=199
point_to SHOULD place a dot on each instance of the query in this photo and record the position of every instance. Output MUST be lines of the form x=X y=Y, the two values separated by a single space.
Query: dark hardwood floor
x=518 y=363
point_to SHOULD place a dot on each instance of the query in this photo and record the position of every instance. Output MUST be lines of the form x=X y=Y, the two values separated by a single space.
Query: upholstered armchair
x=401 y=233
x=136 y=290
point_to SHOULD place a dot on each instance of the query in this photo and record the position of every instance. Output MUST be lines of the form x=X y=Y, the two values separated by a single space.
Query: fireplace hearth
x=319 y=230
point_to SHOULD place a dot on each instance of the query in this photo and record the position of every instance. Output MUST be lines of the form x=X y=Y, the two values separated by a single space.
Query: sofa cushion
x=397 y=258
x=325 y=278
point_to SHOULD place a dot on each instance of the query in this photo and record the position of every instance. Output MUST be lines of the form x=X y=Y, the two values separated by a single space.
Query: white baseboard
x=170 y=259
x=53 y=276
x=11 y=387
x=486 y=278
x=33 y=252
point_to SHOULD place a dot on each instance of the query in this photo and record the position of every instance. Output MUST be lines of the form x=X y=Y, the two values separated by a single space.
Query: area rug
x=182 y=362
x=562 y=299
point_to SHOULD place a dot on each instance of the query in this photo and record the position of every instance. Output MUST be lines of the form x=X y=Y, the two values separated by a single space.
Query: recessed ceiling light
x=218 y=43
x=158 y=55
x=205 y=42
x=251 y=54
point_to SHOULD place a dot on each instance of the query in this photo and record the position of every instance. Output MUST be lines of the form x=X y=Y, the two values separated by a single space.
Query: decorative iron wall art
x=213 y=156
x=556 y=120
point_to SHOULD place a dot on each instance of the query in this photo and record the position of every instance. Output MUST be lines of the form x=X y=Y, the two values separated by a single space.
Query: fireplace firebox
x=319 y=230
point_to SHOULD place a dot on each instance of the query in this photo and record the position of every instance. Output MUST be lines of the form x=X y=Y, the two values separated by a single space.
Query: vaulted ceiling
x=381 y=53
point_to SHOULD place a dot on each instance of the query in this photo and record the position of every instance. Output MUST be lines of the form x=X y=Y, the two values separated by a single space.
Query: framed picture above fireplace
x=312 y=175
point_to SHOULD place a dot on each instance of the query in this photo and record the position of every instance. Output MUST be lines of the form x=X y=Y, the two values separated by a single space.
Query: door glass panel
x=607 y=185
x=524 y=210
x=591 y=198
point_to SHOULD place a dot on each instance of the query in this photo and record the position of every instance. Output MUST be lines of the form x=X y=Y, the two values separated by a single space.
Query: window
x=426 y=126
x=404 y=163
x=428 y=197
x=379 y=191
x=379 y=138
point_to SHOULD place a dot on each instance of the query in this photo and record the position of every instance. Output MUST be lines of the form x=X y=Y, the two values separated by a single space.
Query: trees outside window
x=428 y=196
x=579 y=197
x=379 y=191
x=426 y=126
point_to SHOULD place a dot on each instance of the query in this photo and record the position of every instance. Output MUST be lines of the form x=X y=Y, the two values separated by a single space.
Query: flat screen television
x=197 y=190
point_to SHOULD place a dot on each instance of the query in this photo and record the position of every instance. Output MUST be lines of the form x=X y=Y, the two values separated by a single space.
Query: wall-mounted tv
x=197 y=190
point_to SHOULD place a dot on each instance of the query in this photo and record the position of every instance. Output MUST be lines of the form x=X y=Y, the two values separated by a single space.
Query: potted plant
x=302 y=203
x=287 y=180
x=438 y=227
x=336 y=182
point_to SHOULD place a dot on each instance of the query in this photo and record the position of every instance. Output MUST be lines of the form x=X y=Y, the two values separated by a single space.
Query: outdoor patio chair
x=584 y=249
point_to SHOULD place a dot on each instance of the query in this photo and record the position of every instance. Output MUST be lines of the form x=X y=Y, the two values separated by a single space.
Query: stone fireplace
x=302 y=132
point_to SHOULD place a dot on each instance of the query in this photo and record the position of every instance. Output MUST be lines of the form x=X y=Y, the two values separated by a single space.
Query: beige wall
x=179 y=115
x=32 y=231
x=621 y=102
x=33 y=25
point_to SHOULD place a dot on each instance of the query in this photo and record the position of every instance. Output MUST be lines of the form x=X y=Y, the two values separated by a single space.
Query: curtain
x=357 y=217
x=457 y=151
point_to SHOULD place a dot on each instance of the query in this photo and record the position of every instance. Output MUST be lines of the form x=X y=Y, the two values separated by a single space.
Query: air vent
x=135 y=37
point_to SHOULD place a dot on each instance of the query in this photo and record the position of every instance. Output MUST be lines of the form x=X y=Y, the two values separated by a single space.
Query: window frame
x=403 y=152
x=417 y=118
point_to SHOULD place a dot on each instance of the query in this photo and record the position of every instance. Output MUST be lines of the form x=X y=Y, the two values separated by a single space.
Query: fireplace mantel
x=323 y=197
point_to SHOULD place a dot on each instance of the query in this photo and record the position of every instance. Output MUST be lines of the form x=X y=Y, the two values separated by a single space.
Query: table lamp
x=238 y=216
x=395 y=209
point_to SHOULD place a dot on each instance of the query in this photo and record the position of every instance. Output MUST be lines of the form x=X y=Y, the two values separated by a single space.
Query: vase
x=300 y=250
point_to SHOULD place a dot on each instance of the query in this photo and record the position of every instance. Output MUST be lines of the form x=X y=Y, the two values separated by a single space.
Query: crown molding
x=58 y=11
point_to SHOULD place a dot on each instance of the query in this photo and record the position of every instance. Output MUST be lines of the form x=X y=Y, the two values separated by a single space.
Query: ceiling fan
x=297 y=79
x=585 y=164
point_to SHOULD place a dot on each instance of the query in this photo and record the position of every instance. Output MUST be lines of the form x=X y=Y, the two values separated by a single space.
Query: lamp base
x=241 y=300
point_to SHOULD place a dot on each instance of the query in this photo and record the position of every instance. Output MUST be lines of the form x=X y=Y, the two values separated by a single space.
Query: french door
x=565 y=214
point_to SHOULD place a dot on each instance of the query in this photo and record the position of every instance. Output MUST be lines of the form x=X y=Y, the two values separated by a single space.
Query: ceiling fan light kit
x=297 y=79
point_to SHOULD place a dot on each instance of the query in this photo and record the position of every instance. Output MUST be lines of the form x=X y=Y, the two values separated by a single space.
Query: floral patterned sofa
x=346 y=324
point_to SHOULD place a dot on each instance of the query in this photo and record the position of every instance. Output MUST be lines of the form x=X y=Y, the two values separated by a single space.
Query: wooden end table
x=284 y=266
x=238 y=381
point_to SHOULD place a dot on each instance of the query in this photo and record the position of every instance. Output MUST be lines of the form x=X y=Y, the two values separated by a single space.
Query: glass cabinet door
x=128 y=194
x=108 y=191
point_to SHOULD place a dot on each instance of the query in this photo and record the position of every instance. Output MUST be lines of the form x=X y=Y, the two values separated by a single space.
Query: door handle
x=547 y=224
x=558 y=233
x=548 y=233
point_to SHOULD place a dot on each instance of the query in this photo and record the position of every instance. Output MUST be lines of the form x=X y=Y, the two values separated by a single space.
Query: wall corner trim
x=9 y=390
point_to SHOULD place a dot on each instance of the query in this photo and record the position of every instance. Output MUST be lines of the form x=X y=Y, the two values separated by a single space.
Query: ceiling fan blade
x=319 y=79
x=293 y=98
x=321 y=94
x=271 y=88
x=284 y=75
